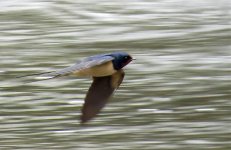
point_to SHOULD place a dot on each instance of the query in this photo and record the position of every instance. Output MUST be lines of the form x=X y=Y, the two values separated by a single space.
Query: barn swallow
x=107 y=73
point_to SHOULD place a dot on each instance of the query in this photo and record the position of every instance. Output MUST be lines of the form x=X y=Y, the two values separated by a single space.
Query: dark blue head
x=121 y=59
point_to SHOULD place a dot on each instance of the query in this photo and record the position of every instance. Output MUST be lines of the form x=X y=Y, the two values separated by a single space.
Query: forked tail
x=42 y=76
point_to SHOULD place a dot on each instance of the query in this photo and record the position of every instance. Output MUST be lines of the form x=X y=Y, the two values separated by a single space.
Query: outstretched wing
x=84 y=64
x=98 y=94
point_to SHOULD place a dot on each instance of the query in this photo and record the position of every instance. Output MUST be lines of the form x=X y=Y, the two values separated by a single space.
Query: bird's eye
x=125 y=57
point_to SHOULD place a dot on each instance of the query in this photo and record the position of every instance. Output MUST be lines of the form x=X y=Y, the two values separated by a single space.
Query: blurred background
x=175 y=95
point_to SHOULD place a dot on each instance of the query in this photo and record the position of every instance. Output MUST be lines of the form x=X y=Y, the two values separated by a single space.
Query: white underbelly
x=105 y=69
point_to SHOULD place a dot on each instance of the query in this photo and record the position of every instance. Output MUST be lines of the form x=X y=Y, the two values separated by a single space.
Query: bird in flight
x=107 y=73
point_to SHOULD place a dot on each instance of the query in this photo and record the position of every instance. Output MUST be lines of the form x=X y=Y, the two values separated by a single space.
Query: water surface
x=176 y=95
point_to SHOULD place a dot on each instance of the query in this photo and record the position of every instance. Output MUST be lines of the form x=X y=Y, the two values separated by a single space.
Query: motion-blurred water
x=176 y=95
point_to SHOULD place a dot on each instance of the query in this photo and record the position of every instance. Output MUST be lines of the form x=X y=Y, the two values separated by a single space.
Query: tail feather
x=42 y=76
x=36 y=74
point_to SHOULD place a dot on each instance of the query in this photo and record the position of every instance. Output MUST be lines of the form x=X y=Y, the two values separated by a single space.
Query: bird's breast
x=105 y=69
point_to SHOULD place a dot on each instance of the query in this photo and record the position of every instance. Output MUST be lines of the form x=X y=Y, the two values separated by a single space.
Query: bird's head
x=120 y=60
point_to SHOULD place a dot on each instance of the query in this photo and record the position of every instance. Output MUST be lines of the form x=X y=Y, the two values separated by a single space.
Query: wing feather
x=86 y=63
x=98 y=94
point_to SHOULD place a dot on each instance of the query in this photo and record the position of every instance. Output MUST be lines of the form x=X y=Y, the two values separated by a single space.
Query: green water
x=176 y=95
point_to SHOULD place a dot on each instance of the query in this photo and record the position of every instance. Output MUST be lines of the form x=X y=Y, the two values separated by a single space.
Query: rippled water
x=176 y=95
